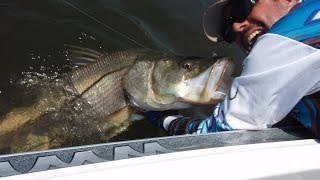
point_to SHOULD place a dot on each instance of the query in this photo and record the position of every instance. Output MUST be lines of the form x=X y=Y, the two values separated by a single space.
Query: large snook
x=98 y=97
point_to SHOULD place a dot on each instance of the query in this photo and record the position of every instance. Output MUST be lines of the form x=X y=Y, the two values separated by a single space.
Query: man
x=281 y=74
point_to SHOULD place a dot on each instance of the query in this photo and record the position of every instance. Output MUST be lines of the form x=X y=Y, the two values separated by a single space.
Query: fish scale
x=84 y=77
x=91 y=104
x=103 y=93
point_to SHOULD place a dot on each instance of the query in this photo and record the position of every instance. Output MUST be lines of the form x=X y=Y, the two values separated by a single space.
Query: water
x=33 y=35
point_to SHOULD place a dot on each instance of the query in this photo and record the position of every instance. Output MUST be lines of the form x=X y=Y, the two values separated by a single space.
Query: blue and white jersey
x=280 y=76
x=302 y=23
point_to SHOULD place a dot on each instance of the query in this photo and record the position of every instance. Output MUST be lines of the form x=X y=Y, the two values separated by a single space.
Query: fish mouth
x=216 y=92
x=210 y=86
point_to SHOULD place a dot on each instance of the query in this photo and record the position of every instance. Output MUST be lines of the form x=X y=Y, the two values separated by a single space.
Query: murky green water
x=33 y=34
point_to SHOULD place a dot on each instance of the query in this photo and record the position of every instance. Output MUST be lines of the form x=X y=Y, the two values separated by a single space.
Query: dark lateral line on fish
x=98 y=80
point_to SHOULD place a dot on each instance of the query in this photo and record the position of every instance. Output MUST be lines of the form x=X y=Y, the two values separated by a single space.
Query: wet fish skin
x=150 y=80
x=116 y=82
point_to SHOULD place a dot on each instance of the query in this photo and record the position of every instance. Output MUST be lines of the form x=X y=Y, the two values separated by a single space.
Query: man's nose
x=240 y=26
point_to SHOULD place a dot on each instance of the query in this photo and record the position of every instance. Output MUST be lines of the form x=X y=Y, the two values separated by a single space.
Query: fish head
x=194 y=80
x=175 y=82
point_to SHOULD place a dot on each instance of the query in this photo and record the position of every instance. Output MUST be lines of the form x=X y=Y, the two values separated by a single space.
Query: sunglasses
x=234 y=11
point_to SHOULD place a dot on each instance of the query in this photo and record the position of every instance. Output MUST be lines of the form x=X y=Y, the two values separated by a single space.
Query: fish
x=106 y=92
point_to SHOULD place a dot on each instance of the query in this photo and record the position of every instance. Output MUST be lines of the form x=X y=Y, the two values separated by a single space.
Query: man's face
x=262 y=16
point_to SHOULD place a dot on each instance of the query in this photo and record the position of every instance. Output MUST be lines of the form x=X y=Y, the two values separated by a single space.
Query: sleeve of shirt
x=214 y=123
x=178 y=125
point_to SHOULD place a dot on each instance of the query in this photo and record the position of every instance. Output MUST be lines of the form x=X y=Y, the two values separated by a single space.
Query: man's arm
x=277 y=74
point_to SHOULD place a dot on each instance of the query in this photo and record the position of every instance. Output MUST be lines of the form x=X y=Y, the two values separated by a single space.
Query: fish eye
x=187 y=65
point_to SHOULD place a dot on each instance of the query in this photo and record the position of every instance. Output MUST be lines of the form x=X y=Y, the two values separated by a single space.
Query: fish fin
x=115 y=123
x=81 y=55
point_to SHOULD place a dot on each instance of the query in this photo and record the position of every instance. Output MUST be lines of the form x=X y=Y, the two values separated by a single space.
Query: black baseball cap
x=219 y=17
